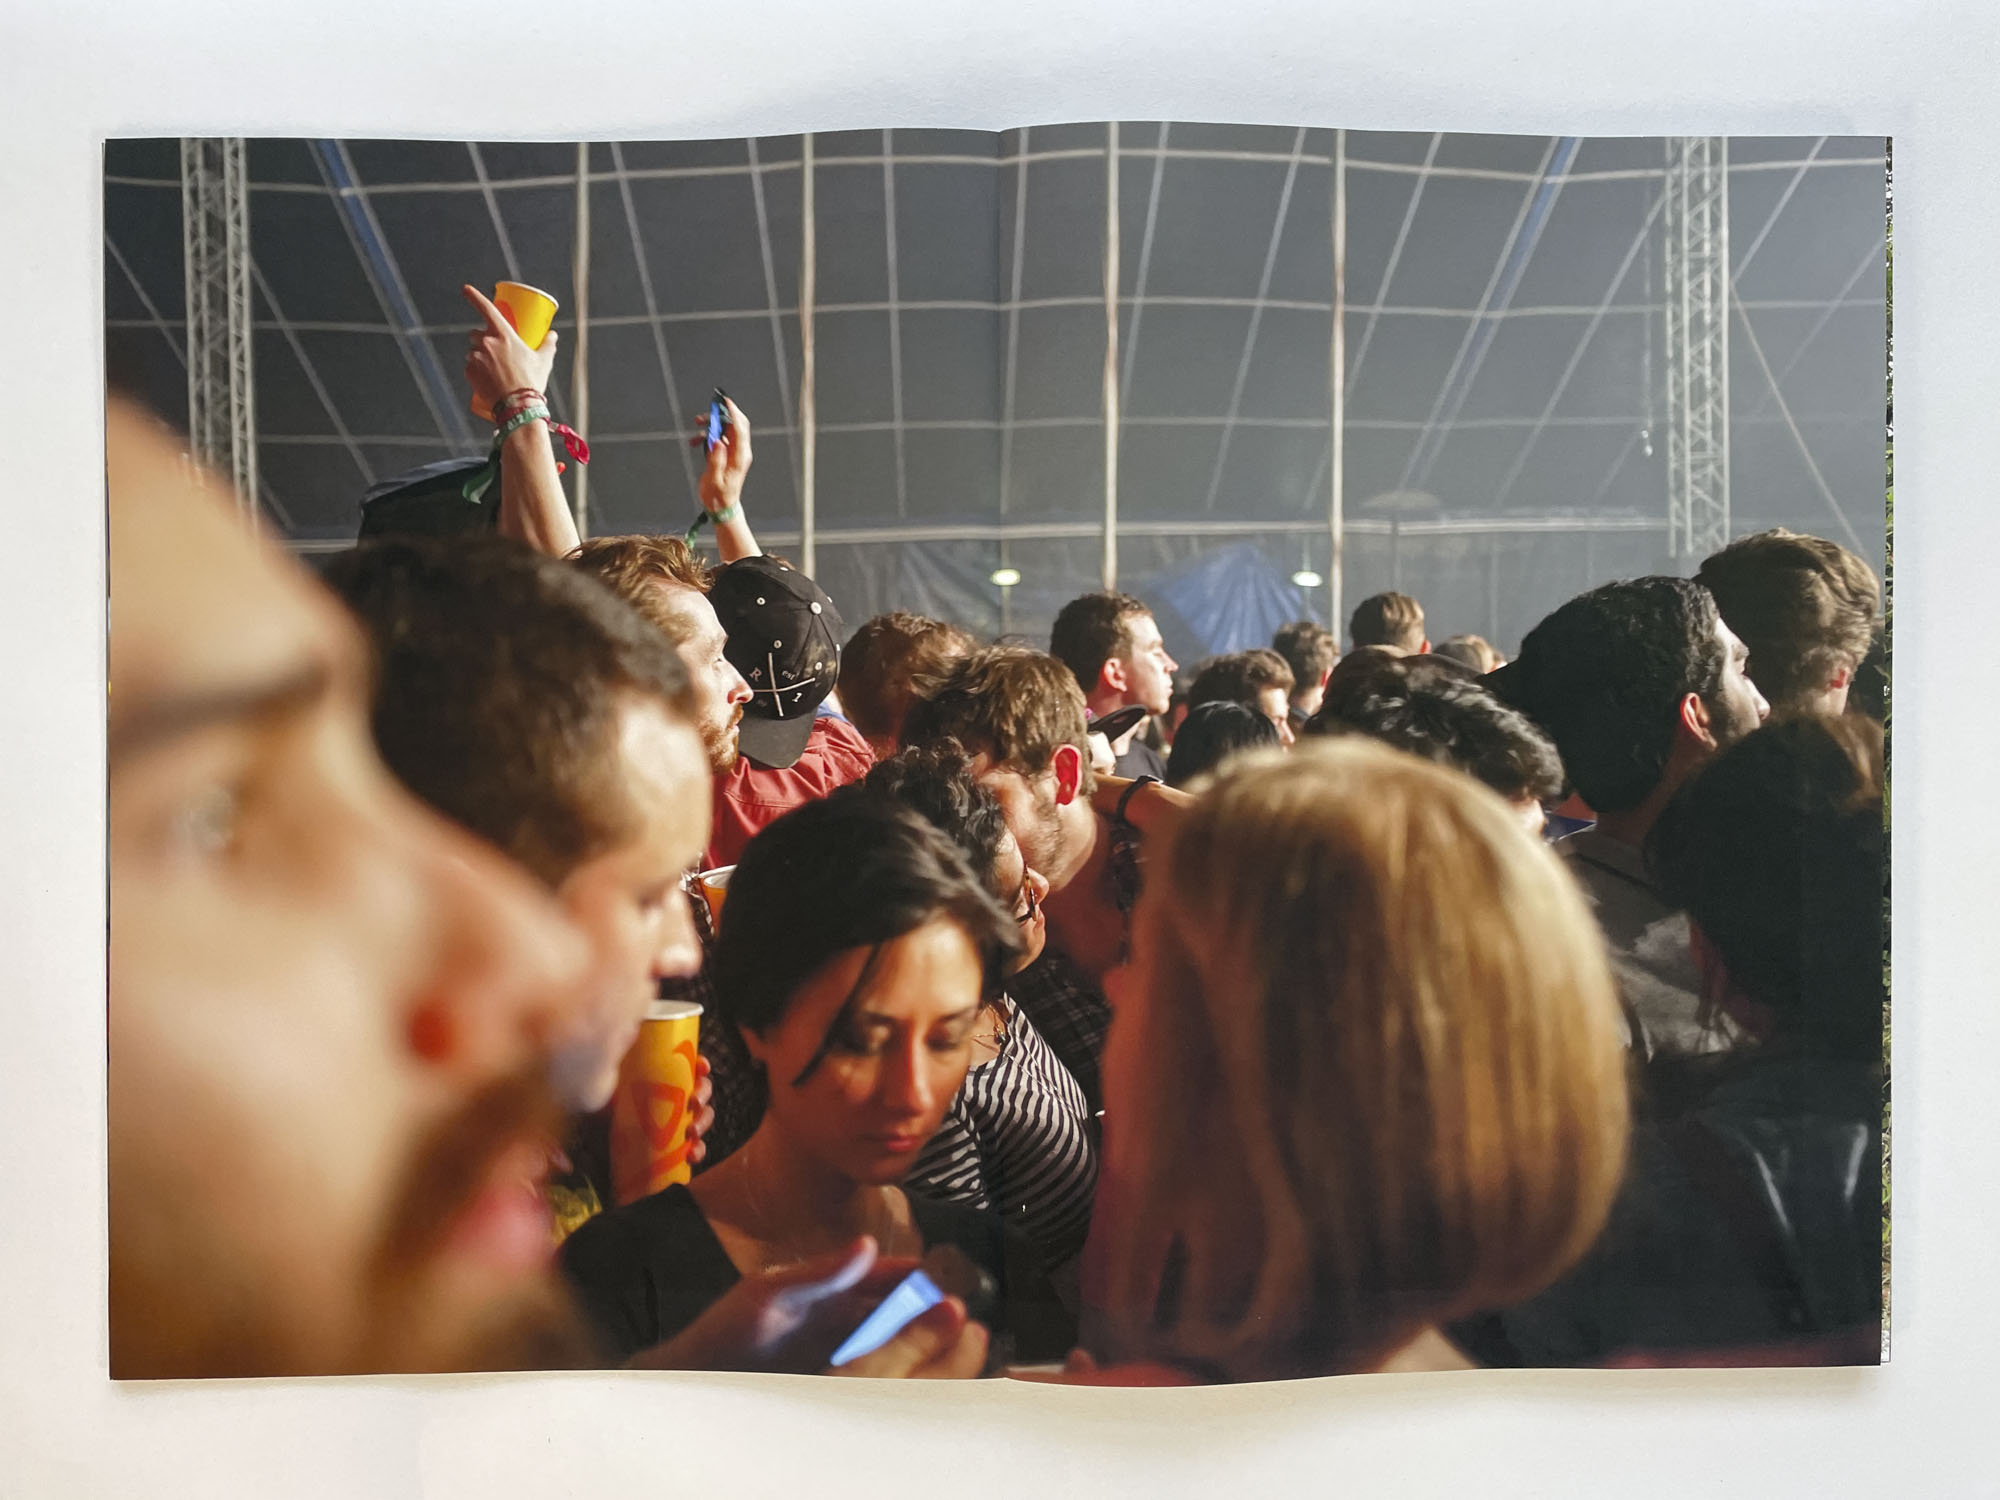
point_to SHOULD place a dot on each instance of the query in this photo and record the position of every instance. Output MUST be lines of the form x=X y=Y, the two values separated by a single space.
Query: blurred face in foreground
x=329 y=1011
x=628 y=900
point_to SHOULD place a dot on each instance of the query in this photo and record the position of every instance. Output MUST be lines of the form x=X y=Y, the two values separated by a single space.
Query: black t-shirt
x=1140 y=759
x=645 y=1271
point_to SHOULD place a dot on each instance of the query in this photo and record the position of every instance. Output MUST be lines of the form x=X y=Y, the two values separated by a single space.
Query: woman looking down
x=854 y=956
x=1019 y=1138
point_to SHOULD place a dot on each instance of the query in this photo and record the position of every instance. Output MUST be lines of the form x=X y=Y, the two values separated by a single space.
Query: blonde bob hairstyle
x=1373 y=1077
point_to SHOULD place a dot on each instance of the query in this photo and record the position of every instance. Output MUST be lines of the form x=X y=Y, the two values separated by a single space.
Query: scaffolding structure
x=955 y=444
x=222 y=404
x=1696 y=266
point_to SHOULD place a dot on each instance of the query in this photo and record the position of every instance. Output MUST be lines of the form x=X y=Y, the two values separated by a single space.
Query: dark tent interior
x=1507 y=380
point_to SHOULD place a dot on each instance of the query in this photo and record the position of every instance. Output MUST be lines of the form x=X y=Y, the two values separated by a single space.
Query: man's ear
x=1693 y=724
x=1068 y=767
x=1112 y=678
x=754 y=1044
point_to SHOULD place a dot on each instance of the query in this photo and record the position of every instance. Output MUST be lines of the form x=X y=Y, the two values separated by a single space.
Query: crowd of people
x=1301 y=1013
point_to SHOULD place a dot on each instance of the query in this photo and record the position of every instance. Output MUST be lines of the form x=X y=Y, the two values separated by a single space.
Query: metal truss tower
x=1697 y=344
x=215 y=224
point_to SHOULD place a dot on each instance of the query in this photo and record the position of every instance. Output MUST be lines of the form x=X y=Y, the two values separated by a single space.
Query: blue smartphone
x=915 y=1294
x=718 y=420
x=946 y=1270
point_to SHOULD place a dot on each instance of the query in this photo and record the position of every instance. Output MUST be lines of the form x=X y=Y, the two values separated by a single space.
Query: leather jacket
x=1754 y=1219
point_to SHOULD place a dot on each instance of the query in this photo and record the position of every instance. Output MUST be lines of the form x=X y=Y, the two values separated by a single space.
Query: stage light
x=1306 y=578
x=1006 y=577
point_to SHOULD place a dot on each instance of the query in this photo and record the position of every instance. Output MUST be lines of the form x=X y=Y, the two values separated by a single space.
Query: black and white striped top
x=1018 y=1139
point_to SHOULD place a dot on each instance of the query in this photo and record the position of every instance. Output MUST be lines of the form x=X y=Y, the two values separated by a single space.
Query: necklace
x=777 y=1248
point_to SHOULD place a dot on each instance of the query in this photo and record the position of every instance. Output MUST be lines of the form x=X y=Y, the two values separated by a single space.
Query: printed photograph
x=1137 y=753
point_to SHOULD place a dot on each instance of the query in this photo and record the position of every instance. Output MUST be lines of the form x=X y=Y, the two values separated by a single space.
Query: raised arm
x=721 y=488
x=1153 y=808
x=533 y=508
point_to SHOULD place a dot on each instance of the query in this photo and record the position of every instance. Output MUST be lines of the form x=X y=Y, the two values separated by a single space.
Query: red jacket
x=749 y=796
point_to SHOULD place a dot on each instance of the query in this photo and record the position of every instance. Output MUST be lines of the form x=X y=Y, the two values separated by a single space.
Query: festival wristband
x=538 y=411
x=520 y=417
x=512 y=402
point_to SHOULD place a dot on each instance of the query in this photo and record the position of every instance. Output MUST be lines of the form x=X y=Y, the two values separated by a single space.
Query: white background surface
x=1927 y=74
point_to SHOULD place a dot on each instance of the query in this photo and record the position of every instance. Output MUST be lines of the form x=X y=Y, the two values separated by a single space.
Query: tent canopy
x=1505 y=442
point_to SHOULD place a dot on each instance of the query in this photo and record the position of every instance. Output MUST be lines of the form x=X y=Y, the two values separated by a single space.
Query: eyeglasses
x=1034 y=902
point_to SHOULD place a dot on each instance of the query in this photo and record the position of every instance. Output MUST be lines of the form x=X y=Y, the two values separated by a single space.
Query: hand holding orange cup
x=714 y=890
x=531 y=312
x=654 y=1103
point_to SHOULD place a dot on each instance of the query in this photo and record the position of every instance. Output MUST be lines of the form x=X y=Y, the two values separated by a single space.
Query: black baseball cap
x=784 y=637
x=1119 y=720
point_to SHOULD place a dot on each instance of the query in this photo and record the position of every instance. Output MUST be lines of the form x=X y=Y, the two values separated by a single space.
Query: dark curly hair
x=1448 y=716
x=1604 y=676
x=1211 y=733
x=936 y=780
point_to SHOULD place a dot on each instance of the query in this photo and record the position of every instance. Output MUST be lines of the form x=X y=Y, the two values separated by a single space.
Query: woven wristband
x=535 y=411
x=538 y=411
x=523 y=397
x=508 y=404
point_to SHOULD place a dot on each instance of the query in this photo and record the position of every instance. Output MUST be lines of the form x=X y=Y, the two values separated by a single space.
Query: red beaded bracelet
x=513 y=401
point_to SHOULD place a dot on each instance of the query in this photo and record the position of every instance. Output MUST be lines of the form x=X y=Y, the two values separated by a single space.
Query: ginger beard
x=328 y=1008
x=719 y=689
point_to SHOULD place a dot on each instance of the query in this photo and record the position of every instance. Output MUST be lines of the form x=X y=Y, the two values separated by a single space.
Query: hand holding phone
x=724 y=438
x=718 y=420
x=946 y=1271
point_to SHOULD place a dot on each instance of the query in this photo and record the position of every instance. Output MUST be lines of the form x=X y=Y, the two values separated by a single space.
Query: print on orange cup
x=531 y=311
x=714 y=887
x=651 y=1110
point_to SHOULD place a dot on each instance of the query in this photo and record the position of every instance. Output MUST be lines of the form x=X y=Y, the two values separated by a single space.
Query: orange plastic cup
x=714 y=889
x=654 y=1103
x=530 y=309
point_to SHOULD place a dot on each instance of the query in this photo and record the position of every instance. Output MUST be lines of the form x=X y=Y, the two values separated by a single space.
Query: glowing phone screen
x=913 y=1295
